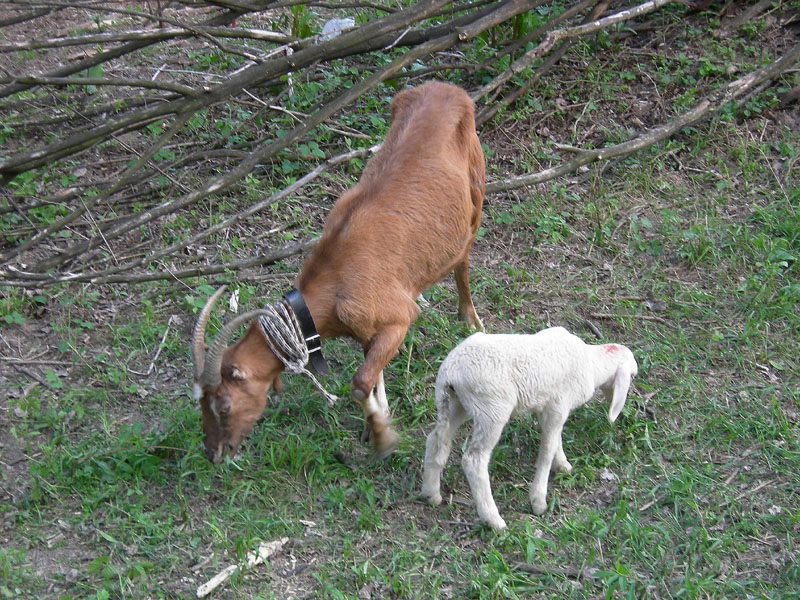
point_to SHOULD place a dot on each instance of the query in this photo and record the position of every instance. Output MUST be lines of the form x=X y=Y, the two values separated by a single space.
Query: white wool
x=490 y=378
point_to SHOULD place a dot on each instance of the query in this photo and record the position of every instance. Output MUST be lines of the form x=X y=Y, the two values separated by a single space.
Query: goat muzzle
x=217 y=454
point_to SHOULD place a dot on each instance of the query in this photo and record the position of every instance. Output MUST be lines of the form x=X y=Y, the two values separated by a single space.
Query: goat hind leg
x=466 y=309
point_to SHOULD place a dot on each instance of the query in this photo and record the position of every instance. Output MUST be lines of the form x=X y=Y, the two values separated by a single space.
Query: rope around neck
x=285 y=338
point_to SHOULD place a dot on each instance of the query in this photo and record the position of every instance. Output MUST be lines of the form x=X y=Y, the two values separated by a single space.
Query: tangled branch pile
x=136 y=135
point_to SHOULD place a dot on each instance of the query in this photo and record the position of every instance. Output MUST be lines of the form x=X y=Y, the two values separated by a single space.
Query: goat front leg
x=380 y=350
x=378 y=394
x=551 y=422
x=466 y=309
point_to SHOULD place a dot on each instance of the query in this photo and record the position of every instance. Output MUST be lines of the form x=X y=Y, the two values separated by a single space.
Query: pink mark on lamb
x=611 y=348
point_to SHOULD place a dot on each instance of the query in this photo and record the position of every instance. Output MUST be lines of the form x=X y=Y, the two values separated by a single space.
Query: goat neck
x=320 y=298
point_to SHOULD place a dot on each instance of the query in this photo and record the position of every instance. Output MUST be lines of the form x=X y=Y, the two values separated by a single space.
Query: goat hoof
x=473 y=322
x=365 y=434
x=385 y=442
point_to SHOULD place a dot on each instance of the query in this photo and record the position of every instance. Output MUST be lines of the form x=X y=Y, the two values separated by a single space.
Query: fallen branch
x=159 y=18
x=742 y=18
x=150 y=258
x=266 y=550
x=566 y=571
x=253 y=75
x=24 y=361
x=17 y=278
x=177 y=88
x=88 y=204
x=90 y=243
x=154 y=35
x=27 y=16
x=267 y=152
x=715 y=103
x=105 y=56
x=488 y=112
x=560 y=34
x=618 y=316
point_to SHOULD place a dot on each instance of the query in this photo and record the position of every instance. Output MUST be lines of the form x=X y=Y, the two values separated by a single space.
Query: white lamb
x=489 y=378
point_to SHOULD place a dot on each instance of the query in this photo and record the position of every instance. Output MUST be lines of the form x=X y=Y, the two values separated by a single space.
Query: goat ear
x=622 y=382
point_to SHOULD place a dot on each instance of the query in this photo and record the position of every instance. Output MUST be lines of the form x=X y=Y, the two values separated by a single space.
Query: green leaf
x=53 y=380
x=14 y=318
x=96 y=566
x=107 y=536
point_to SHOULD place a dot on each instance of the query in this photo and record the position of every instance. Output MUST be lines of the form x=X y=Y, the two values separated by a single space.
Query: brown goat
x=409 y=221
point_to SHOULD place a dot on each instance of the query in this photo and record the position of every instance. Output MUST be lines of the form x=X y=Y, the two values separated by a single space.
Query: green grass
x=691 y=494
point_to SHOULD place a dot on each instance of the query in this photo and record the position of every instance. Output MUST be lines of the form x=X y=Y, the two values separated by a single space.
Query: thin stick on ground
x=566 y=571
x=265 y=551
x=596 y=315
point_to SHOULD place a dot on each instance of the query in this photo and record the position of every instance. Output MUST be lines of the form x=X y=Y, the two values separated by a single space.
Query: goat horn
x=212 y=374
x=198 y=339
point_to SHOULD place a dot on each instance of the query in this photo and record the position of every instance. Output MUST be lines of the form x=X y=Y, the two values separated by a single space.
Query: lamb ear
x=622 y=382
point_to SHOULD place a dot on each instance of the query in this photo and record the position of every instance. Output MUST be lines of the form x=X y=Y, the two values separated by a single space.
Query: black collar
x=309 y=331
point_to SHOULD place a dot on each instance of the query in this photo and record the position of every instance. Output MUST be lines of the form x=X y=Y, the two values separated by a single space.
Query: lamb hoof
x=538 y=506
x=565 y=467
x=385 y=442
x=434 y=498
x=496 y=522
